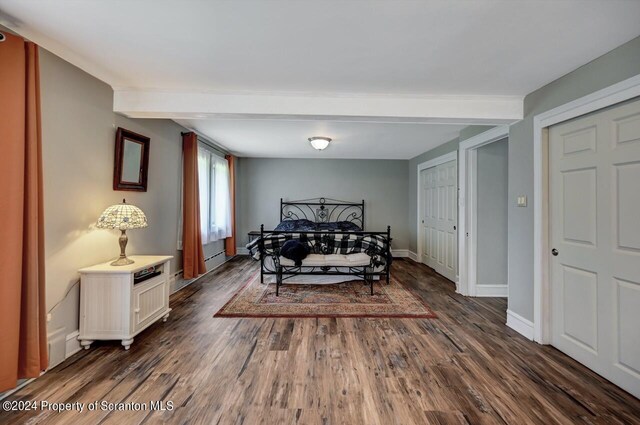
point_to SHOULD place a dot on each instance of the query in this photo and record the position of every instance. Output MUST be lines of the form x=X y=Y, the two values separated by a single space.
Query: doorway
x=488 y=233
x=483 y=214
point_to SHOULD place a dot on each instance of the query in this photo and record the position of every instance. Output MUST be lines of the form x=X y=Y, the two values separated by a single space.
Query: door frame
x=608 y=96
x=442 y=159
x=468 y=216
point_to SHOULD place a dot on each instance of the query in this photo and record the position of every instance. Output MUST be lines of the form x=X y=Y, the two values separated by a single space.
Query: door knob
x=554 y=252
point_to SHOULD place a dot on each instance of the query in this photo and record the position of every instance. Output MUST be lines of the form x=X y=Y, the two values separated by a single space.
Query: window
x=215 y=196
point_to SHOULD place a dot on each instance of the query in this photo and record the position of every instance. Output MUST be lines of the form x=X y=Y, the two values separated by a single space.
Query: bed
x=341 y=248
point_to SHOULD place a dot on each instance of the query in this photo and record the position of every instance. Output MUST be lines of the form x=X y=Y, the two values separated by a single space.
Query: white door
x=595 y=230
x=439 y=218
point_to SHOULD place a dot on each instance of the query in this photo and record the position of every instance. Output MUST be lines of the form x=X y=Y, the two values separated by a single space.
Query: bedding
x=325 y=243
x=339 y=250
x=295 y=251
x=310 y=226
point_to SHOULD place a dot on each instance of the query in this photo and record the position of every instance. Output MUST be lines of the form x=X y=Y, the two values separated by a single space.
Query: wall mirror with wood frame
x=131 y=166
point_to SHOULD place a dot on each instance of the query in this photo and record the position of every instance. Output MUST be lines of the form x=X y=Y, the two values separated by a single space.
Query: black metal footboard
x=380 y=253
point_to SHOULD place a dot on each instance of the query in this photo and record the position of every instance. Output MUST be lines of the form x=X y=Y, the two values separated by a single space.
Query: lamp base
x=122 y=261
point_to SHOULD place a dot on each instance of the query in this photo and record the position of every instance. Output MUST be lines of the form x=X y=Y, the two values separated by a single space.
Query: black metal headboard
x=323 y=210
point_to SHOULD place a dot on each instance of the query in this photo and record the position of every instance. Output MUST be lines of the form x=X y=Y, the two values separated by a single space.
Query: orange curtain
x=230 y=242
x=192 y=253
x=23 y=325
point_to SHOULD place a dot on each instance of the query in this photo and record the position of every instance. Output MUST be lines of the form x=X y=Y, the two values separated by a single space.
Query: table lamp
x=122 y=217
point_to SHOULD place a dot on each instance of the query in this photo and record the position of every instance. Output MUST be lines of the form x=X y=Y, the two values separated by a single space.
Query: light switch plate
x=522 y=201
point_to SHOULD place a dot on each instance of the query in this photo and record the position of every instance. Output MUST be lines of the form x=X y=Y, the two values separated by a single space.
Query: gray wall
x=493 y=177
x=381 y=183
x=473 y=130
x=615 y=66
x=78 y=138
x=412 y=195
x=443 y=149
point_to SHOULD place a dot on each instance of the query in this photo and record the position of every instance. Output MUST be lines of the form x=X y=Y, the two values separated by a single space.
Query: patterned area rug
x=346 y=299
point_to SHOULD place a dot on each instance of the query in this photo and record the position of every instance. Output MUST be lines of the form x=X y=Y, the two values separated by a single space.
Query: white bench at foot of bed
x=331 y=260
x=339 y=261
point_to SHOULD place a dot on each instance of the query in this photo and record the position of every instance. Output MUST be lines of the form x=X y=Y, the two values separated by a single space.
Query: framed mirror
x=131 y=166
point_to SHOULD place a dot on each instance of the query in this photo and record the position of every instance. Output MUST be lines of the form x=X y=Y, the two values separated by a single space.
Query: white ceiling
x=401 y=49
x=288 y=139
x=410 y=47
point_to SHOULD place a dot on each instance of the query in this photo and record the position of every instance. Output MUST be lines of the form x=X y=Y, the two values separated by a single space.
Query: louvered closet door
x=439 y=199
x=595 y=228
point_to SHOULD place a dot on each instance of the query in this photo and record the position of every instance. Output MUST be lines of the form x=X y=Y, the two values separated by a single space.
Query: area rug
x=346 y=299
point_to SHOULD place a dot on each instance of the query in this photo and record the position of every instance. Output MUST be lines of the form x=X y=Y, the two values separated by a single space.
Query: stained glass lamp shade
x=122 y=217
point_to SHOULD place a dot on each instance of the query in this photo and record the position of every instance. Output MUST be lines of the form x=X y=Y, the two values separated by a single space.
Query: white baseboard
x=413 y=256
x=177 y=282
x=241 y=250
x=72 y=344
x=492 y=291
x=400 y=253
x=519 y=324
x=173 y=281
x=62 y=346
x=56 y=346
x=404 y=253
x=21 y=384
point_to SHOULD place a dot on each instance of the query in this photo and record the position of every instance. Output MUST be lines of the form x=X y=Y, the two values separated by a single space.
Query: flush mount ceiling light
x=319 y=143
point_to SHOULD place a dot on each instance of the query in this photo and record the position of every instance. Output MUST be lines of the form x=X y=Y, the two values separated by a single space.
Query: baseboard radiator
x=211 y=262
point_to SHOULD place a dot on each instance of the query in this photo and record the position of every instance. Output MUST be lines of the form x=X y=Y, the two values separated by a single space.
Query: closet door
x=440 y=218
x=594 y=167
x=428 y=198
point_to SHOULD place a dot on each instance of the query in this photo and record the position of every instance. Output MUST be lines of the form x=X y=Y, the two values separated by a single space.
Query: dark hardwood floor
x=464 y=367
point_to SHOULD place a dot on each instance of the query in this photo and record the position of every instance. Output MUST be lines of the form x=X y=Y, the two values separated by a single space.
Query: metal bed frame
x=324 y=210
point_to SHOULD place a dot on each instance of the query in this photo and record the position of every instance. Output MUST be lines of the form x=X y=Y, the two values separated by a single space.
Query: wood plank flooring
x=466 y=367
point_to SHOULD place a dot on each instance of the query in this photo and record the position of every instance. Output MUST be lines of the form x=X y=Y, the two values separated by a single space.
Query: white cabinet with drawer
x=118 y=302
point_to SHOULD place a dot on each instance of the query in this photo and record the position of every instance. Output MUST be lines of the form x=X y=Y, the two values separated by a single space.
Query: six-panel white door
x=595 y=236
x=439 y=218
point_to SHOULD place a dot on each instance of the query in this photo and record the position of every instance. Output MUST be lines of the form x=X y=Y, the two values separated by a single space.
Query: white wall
x=492 y=191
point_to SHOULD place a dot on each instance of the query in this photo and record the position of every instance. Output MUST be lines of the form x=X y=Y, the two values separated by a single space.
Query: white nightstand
x=114 y=305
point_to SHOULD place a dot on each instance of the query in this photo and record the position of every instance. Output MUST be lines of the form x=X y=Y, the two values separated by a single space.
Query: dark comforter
x=324 y=243
x=310 y=226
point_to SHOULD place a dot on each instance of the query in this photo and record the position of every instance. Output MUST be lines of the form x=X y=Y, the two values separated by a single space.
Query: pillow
x=347 y=226
x=295 y=251
x=296 y=225
x=343 y=226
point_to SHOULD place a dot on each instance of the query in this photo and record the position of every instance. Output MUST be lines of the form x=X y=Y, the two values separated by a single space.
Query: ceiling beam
x=428 y=109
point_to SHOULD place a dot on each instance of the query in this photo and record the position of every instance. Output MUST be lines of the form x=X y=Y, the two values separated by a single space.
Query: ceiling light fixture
x=319 y=143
